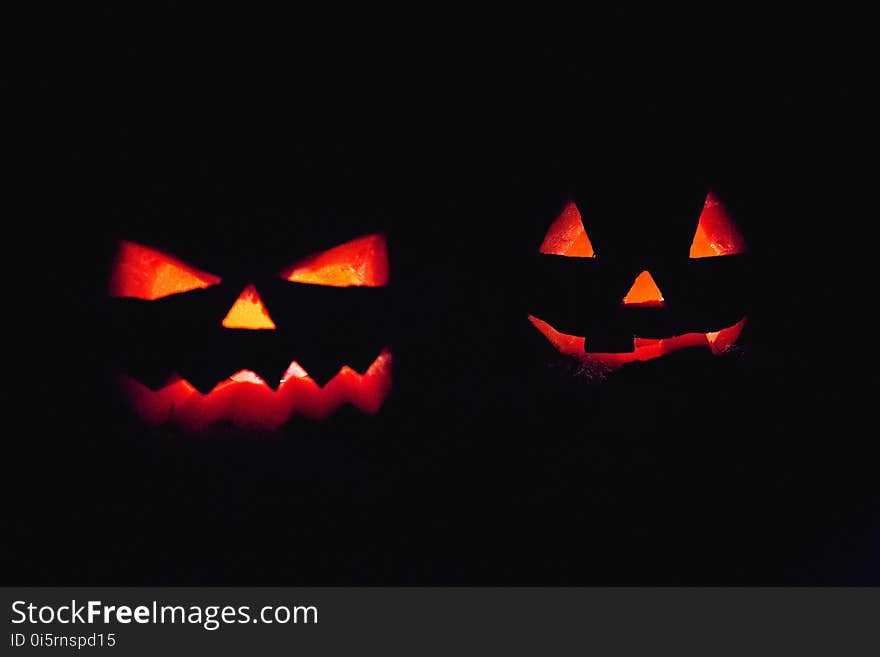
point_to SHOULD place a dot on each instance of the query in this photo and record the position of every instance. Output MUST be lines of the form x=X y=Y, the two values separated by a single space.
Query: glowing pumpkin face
x=210 y=324
x=633 y=311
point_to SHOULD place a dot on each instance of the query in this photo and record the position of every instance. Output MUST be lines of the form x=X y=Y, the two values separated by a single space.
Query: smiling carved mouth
x=245 y=400
x=643 y=348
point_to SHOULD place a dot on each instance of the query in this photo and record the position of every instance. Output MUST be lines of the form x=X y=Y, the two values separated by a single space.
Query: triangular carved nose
x=248 y=312
x=644 y=292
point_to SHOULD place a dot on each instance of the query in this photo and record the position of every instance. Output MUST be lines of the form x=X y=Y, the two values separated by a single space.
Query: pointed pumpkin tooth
x=246 y=376
x=294 y=371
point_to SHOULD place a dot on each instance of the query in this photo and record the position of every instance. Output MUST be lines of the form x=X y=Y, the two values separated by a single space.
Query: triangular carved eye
x=567 y=237
x=360 y=262
x=140 y=272
x=717 y=234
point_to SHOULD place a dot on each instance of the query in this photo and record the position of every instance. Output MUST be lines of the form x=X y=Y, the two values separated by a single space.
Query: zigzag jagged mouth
x=245 y=399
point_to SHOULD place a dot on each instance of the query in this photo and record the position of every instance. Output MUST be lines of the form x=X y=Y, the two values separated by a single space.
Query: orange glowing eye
x=144 y=273
x=567 y=237
x=362 y=262
x=717 y=234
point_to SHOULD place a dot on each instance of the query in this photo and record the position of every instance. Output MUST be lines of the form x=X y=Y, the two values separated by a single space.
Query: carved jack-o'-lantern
x=228 y=360
x=618 y=312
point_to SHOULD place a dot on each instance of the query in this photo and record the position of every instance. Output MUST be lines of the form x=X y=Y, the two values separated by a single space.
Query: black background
x=490 y=463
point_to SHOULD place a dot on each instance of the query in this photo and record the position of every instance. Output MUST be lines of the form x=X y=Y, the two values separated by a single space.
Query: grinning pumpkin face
x=645 y=303
x=296 y=340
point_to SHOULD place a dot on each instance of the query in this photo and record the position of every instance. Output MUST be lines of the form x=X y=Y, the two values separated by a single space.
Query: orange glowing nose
x=248 y=312
x=644 y=292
